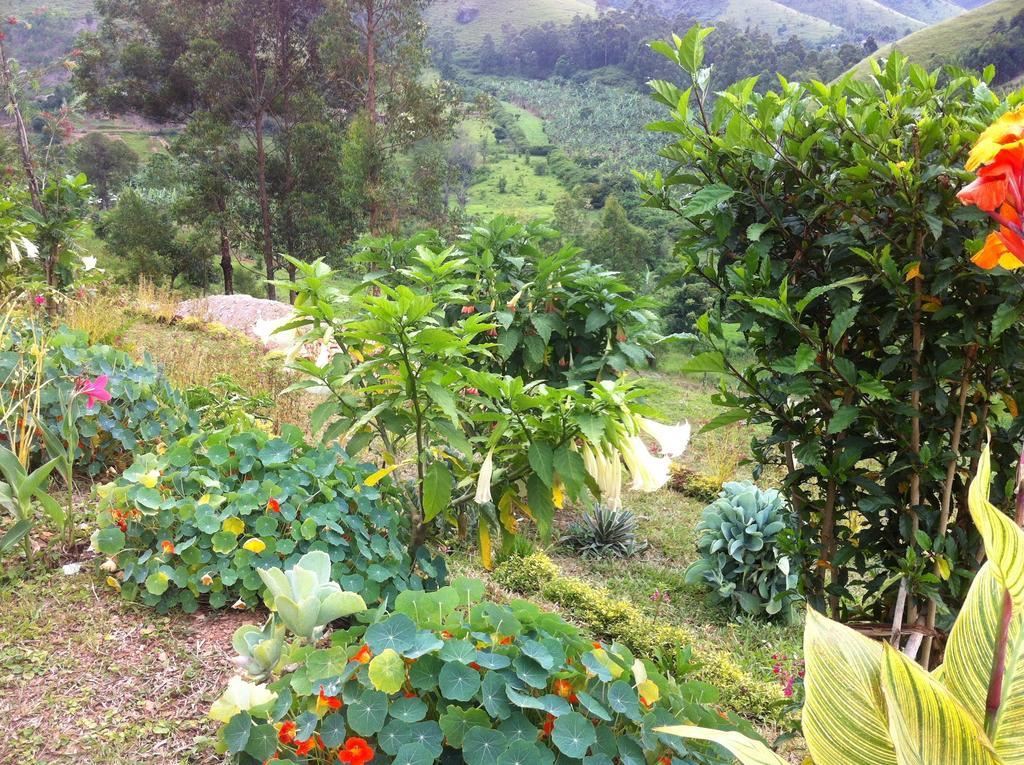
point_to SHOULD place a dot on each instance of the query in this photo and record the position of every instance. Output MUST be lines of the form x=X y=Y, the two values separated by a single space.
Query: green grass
x=531 y=125
x=778 y=20
x=527 y=195
x=856 y=14
x=928 y=11
x=87 y=678
x=943 y=43
x=494 y=14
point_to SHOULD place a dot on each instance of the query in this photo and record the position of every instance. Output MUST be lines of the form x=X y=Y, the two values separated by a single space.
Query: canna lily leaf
x=927 y=724
x=1004 y=539
x=968 y=663
x=844 y=717
x=746 y=750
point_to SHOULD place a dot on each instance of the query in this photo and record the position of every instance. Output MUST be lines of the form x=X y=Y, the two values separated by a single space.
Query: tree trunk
x=268 y=239
x=225 y=261
x=373 y=178
x=19 y=122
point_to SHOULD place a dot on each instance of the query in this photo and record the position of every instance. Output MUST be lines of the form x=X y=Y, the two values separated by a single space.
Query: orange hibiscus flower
x=1005 y=247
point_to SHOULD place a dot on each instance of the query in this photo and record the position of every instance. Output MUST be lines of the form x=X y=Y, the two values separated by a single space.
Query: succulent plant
x=259 y=648
x=604 y=532
x=305 y=598
x=741 y=558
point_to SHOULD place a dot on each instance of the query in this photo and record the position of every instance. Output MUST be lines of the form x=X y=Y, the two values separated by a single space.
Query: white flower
x=649 y=473
x=483 y=481
x=15 y=253
x=607 y=473
x=88 y=262
x=672 y=439
x=239 y=605
x=109 y=565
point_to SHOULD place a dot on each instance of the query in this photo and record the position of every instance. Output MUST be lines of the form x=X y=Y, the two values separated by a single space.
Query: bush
x=623 y=622
x=144 y=410
x=693 y=484
x=195 y=522
x=832 y=236
x=450 y=677
x=741 y=555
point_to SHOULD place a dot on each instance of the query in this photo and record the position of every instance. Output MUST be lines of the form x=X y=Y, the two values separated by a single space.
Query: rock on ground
x=255 y=317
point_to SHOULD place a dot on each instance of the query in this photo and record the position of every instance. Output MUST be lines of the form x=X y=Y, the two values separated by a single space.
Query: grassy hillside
x=929 y=11
x=778 y=20
x=944 y=42
x=856 y=14
x=76 y=8
x=492 y=15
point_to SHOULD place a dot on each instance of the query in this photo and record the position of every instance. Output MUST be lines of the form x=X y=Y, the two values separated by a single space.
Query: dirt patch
x=88 y=678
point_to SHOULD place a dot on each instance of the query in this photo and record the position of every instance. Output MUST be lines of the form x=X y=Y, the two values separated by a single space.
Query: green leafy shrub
x=225 y=403
x=145 y=410
x=450 y=677
x=741 y=554
x=603 y=532
x=833 y=238
x=197 y=522
x=623 y=622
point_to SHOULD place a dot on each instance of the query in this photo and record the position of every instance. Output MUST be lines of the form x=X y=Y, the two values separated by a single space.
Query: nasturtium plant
x=824 y=219
x=447 y=676
x=196 y=522
x=144 y=409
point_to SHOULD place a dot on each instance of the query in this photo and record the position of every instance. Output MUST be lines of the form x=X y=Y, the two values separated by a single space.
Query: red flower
x=305 y=747
x=363 y=656
x=474 y=665
x=331 y=702
x=12 y=20
x=273 y=506
x=505 y=641
x=596 y=645
x=286 y=734
x=168 y=547
x=564 y=689
x=549 y=725
x=356 y=752
x=468 y=309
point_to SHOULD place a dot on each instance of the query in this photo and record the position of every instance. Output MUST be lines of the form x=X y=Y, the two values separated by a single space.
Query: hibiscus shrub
x=194 y=523
x=450 y=677
x=144 y=409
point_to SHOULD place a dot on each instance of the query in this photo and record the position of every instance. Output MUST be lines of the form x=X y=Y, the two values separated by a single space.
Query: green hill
x=471 y=20
x=948 y=41
x=778 y=19
x=928 y=11
x=856 y=15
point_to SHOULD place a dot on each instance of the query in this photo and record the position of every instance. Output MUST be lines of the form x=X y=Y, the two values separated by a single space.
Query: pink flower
x=94 y=390
x=40 y=299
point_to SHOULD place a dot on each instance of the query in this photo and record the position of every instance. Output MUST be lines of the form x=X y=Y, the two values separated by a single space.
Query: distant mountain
x=988 y=34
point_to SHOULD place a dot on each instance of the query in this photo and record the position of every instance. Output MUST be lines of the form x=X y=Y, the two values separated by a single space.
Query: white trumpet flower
x=672 y=439
x=483 y=481
x=607 y=473
x=88 y=262
x=649 y=473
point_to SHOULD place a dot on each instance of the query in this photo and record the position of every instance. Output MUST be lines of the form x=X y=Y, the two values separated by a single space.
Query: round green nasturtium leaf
x=224 y=542
x=573 y=734
x=333 y=730
x=262 y=742
x=237 y=731
x=519 y=728
x=414 y=754
x=494 y=696
x=623 y=699
x=265 y=526
x=423 y=674
x=409 y=710
x=458 y=682
x=461 y=651
x=457 y=722
x=397 y=633
x=555 y=705
x=482 y=746
x=156 y=583
x=367 y=712
x=538 y=653
x=308 y=529
x=110 y=541
x=530 y=672
x=597 y=759
x=592 y=705
x=525 y=753
x=387 y=671
x=523 y=700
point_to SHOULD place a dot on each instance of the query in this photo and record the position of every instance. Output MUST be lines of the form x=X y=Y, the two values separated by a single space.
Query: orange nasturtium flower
x=286 y=733
x=305 y=747
x=168 y=546
x=363 y=656
x=273 y=506
x=355 y=752
x=329 y=702
x=999 y=190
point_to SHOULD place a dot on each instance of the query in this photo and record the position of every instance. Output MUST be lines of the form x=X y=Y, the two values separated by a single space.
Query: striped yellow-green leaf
x=844 y=717
x=1004 y=539
x=746 y=750
x=968 y=664
x=927 y=724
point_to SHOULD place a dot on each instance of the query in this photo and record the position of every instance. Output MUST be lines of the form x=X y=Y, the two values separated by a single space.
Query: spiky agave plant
x=604 y=532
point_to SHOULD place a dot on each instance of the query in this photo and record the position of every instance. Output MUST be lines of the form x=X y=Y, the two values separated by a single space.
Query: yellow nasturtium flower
x=150 y=478
x=233 y=525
